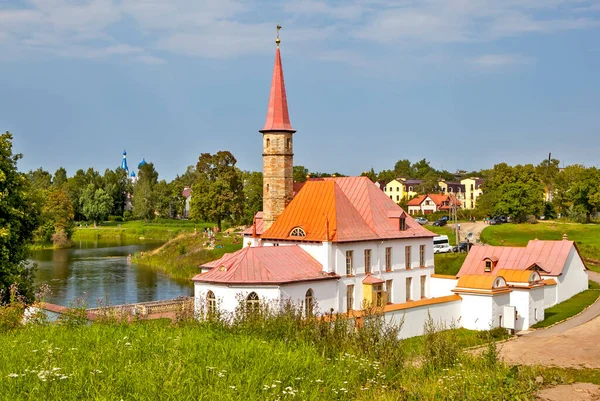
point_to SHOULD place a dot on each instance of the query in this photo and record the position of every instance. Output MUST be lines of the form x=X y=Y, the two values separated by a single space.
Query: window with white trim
x=349 y=263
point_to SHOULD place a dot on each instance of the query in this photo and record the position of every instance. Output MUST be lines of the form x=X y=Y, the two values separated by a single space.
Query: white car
x=421 y=220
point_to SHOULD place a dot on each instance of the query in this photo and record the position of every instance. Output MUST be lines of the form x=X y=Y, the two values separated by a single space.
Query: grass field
x=157 y=361
x=570 y=307
x=161 y=230
x=181 y=256
x=448 y=263
x=587 y=236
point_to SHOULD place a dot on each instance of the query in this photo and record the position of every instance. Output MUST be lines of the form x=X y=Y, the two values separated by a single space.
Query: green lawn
x=449 y=263
x=161 y=230
x=587 y=236
x=570 y=307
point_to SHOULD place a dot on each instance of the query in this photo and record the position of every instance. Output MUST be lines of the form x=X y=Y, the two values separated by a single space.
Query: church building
x=341 y=243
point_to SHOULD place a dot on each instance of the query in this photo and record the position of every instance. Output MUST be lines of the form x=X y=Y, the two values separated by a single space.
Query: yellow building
x=472 y=191
x=453 y=188
x=400 y=188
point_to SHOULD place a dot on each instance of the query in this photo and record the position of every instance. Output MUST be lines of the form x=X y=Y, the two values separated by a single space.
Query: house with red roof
x=431 y=203
x=337 y=244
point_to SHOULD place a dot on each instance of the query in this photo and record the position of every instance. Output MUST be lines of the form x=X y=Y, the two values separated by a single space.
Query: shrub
x=61 y=240
x=11 y=314
x=127 y=215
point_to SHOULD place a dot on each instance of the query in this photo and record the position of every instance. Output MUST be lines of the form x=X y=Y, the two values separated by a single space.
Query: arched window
x=268 y=143
x=458 y=189
x=450 y=189
x=252 y=302
x=308 y=303
x=267 y=187
x=297 y=232
x=410 y=189
x=211 y=303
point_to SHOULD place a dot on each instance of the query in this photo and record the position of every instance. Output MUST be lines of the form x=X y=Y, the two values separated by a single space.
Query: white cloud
x=231 y=28
x=500 y=60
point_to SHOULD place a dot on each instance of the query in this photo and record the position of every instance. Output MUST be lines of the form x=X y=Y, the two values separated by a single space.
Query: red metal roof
x=264 y=265
x=258 y=218
x=551 y=256
x=438 y=200
x=278 y=118
x=353 y=209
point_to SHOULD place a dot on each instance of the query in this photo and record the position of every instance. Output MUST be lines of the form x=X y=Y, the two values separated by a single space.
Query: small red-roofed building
x=431 y=203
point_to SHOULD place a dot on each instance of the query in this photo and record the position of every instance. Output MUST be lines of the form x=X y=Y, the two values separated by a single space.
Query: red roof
x=352 y=208
x=258 y=218
x=438 y=200
x=550 y=256
x=278 y=118
x=264 y=265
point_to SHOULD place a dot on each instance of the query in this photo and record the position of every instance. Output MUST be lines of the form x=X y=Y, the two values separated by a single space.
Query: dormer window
x=297 y=232
x=488 y=266
x=402 y=223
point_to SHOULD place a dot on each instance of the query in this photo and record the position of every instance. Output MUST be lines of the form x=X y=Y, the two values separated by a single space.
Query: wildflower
x=232 y=387
x=289 y=388
x=55 y=369
x=73 y=349
x=364 y=388
x=35 y=350
x=13 y=375
x=319 y=381
x=127 y=344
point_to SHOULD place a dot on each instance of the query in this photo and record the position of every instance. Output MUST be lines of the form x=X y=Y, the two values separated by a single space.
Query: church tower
x=278 y=156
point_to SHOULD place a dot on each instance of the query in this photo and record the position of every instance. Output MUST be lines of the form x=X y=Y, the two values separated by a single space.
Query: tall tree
x=19 y=215
x=253 y=194
x=300 y=173
x=144 y=200
x=40 y=179
x=403 y=169
x=60 y=177
x=57 y=218
x=370 y=174
x=117 y=184
x=218 y=194
x=96 y=203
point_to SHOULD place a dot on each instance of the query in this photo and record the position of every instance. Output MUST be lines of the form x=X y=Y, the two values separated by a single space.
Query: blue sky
x=463 y=83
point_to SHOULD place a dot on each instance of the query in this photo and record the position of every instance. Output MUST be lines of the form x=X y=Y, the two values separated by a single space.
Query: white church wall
x=476 y=311
x=573 y=279
x=550 y=295
x=529 y=303
x=325 y=293
x=440 y=287
x=228 y=297
x=413 y=319
x=498 y=303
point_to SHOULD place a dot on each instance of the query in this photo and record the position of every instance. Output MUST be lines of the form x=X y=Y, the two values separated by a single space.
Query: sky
x=465 y=84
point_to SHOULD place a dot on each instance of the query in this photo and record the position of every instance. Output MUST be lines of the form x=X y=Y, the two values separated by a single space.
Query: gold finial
x=278 y=41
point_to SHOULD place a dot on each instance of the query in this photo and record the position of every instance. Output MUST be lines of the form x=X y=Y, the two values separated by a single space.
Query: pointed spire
x=278 y=118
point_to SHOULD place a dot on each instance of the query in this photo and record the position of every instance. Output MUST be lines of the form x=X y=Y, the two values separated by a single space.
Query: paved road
x=590 y=313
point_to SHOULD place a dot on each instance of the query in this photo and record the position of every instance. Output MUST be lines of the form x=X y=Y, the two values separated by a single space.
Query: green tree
x=386 y=175
x=117 y=184
x=430 y=184
x=515 y=191
x=218 y=194
x=253 y=194
x=57 y=215
x=40 y=179
x=96 y=203
x=300 y=173
x=404 y=169
x=19 y=217
x=370 y=174
x=422 y=169
x=584 y=192
x=60 y=177
x=144 y=199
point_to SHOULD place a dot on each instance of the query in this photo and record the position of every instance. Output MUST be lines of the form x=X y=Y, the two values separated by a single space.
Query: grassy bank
x=163 y=230
x=587 y=236
x=156 y=361
x=449 y=263
x=181 y=256
x=570 y=307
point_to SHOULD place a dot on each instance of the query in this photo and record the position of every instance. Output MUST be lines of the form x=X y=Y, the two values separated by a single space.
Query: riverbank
x=162 y=230
x=181 y=256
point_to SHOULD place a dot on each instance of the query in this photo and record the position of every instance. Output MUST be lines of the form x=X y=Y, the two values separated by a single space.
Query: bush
x=115 y=218
x=127 y=215
x=61 y=240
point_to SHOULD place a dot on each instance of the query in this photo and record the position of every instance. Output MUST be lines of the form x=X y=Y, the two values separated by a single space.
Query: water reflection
x=100 y=269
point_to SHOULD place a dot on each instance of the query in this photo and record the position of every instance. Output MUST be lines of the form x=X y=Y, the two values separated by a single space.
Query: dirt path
x=474 y=228
x=571 y=344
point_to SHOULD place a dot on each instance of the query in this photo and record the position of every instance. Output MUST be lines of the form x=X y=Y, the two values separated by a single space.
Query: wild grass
x=261 y=354
x=587 y=236
x=449 y=263
x=181 y=256
x=570 y=307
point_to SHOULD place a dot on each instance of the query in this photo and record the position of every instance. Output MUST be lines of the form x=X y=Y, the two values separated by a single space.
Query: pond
x=100 y=270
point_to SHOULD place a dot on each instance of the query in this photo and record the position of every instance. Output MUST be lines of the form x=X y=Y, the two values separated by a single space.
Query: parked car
x=502 y=218
x=440 y=223
x=462 y=247
x=421 y=220
x=444 y=218
x=493 y=221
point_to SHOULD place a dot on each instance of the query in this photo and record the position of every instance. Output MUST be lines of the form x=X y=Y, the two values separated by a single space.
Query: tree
x=386 y=175
x=57 y=216
x=370 y=174
x=19 y=217
x=422 y=169
x=117 y=184
x=253 y=194
x=515 y=191
x=300 y=173
x=218 y=193
x=60 y=177
x=40 y=179
x=96 y=204
x=403 y=169
x=144 y=200
x=430 y=184
x=584 y=192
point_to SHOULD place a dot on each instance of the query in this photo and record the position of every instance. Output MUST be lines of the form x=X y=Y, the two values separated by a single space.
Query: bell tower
x=278 y=155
